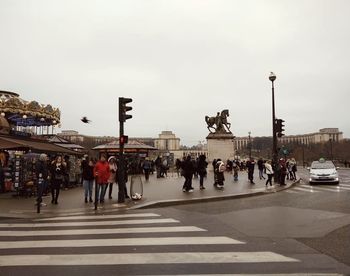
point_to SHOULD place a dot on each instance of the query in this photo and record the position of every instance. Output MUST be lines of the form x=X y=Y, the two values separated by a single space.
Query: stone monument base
x=220 y=145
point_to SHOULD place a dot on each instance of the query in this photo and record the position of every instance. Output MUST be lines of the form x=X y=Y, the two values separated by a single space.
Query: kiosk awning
x=35 y=145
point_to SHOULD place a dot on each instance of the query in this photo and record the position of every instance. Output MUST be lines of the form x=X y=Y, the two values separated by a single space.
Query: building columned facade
x=167 y=141
x=323 y=136
x=242 y=142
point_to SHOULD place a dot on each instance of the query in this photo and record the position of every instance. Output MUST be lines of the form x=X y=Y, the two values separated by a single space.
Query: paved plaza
x=157 y=192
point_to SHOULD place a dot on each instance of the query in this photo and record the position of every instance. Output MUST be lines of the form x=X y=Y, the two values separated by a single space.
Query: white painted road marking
x=292 y=192
x=88 y=223
x=144 y=258
x=306 y=189
x=118 y=242
x=321 y=188
x=143 y=215
x=346 y=185
x=174 y=229
x=342 y=187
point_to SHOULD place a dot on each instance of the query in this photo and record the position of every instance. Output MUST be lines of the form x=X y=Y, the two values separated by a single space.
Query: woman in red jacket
x=101 y=173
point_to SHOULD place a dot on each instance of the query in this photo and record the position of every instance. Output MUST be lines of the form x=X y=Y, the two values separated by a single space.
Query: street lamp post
x=272 y=78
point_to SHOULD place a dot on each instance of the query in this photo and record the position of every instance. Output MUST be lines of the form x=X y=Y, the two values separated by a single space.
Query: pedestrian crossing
x=126 y=243
x=306 y=188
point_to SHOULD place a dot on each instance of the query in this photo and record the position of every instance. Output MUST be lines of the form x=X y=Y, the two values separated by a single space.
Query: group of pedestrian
x=162 y=166
x=105 y=174
x=286 y=169
x=52 y=174
x=55 y=172
x=190 y=167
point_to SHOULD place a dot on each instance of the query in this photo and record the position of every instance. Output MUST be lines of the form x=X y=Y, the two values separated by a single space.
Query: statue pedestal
x=220 y=145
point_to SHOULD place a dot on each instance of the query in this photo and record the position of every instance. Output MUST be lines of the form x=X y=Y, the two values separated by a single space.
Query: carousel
x=23 y=129
x=28 y=116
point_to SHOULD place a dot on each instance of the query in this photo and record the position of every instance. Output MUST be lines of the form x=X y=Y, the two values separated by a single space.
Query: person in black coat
x=188 y=170
x=250 y=167
x=58 y=173
x=202 y=170
x=42 y=175
x=261 y=168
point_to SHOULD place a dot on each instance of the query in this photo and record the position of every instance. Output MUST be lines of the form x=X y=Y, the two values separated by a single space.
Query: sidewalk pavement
x=157 y=192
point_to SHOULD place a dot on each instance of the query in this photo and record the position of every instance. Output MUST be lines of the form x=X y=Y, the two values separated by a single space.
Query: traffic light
x=279 y=127
x=123 y=108
x=123 y=139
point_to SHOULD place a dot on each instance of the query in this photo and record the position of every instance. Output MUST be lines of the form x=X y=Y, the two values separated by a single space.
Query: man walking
x=250 y=167
x=261 y=168
x=188 y=170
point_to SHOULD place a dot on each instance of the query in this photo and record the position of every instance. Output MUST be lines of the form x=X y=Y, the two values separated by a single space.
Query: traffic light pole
x=121 y=166
x=123 y=116
x=274 y=136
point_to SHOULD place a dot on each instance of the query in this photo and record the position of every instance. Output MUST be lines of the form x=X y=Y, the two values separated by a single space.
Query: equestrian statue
x=220 y=122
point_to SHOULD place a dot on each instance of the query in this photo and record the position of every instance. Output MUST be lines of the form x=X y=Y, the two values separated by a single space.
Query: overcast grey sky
x=180 y=61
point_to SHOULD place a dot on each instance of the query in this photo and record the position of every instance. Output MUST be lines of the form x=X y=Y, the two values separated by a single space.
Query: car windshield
x=326 y=165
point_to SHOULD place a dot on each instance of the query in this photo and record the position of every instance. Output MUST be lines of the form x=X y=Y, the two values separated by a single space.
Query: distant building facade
x=323 y=136
x=167 y=141
x=74 y=137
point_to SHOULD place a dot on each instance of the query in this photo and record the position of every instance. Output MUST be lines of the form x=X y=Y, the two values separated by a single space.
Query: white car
x=323 y=171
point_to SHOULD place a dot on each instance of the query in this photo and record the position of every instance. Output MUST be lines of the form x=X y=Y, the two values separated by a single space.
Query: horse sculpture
x=220 y=120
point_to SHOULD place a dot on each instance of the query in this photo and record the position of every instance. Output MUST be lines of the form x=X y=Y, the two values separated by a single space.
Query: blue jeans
x=101 y=191
x=87 y=184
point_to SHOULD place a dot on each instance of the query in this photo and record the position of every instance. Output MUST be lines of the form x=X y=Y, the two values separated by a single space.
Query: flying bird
x=85 y=120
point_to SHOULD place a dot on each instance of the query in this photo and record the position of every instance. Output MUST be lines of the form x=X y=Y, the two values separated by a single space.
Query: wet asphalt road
x=299 y=231
x=323 y=199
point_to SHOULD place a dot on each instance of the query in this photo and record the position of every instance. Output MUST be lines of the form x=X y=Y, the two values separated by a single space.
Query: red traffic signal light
x=123 y=139
x=123 y=108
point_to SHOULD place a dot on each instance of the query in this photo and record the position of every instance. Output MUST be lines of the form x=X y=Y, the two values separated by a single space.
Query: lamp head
x=272 y=77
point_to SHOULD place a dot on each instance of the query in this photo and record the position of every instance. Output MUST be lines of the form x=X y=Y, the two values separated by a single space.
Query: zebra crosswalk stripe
x=338 y=187
x=72 y=232
x=292 y=192
x=345 y=185
x=88 y=223
x=39 y=251
x=322 y=189
x=118 y=242
x=144 y=258
x=310 y=190
x=97 y=217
